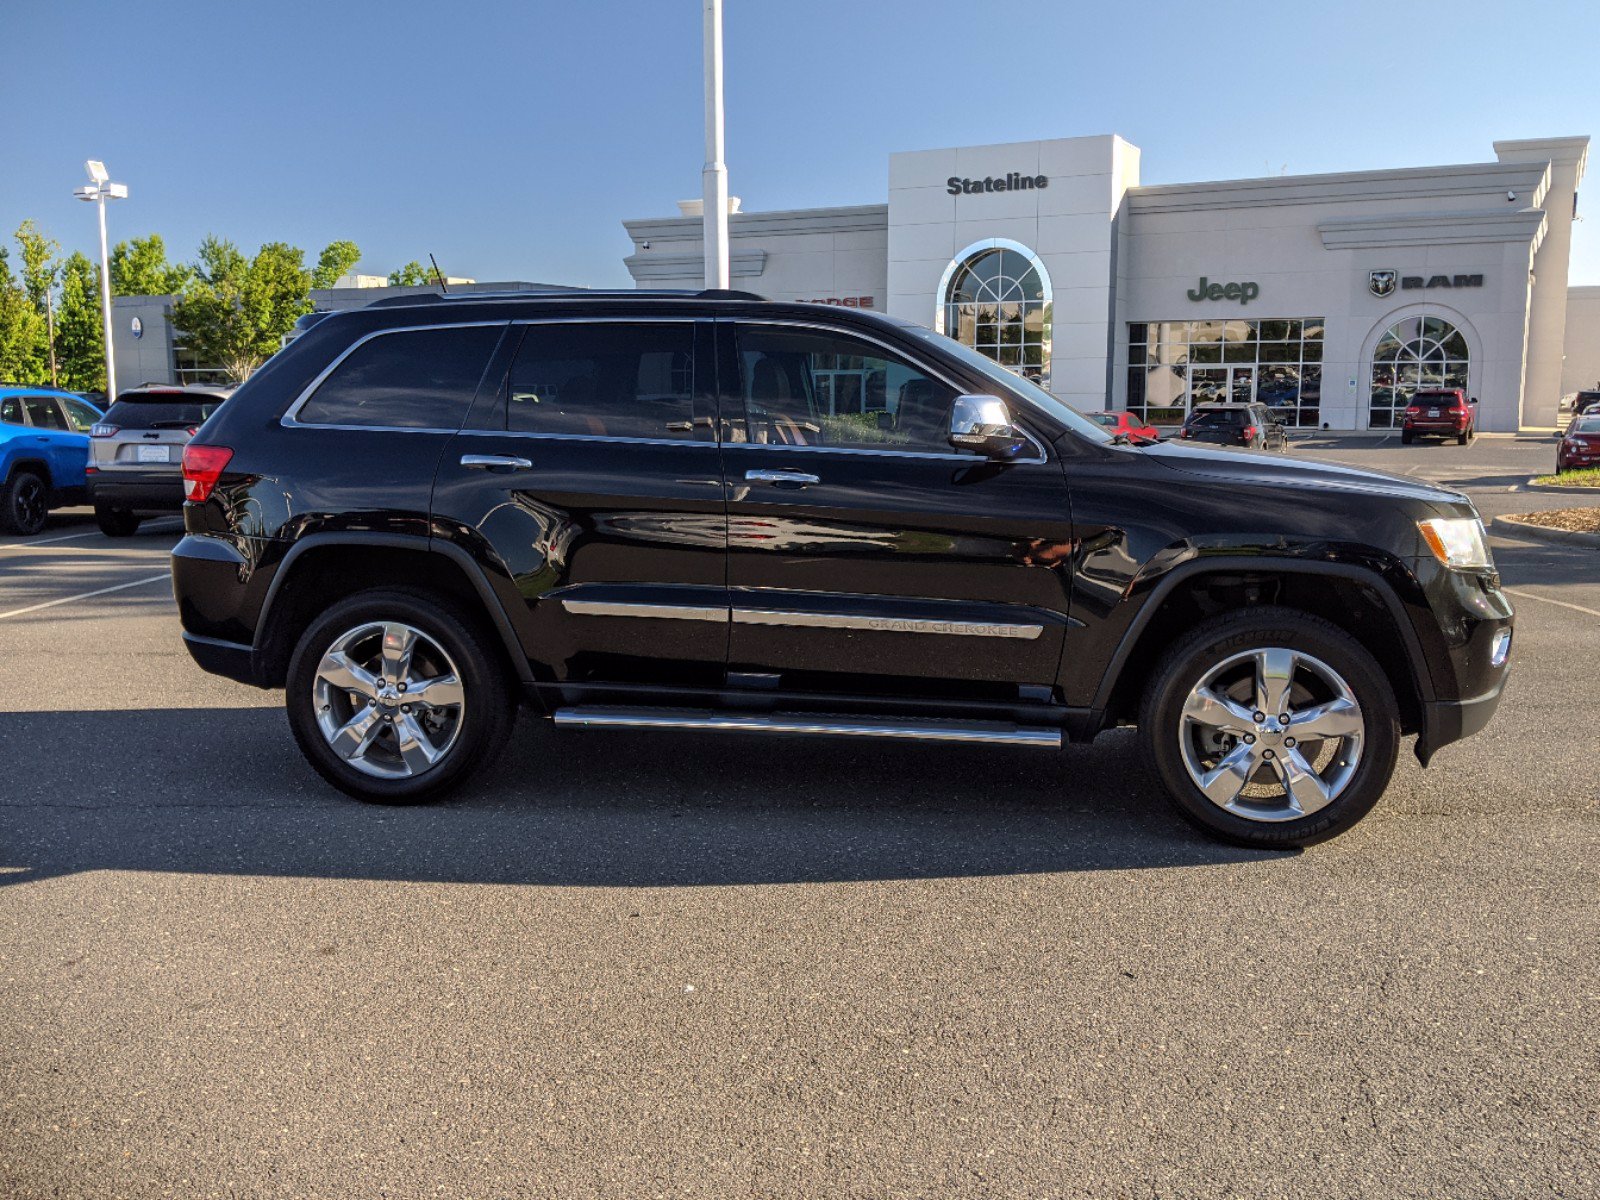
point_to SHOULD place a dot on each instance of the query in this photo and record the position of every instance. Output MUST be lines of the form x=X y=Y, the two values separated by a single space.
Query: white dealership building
x=1329 y=297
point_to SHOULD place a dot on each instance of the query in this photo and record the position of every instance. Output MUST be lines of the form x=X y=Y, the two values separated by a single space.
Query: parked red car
x=1580 y=447
x=1135 y=429
x=1443 y=412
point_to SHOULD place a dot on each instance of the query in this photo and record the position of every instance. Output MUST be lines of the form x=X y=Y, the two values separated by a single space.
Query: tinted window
x=11 y=411
x=82 y=416
x=1217 y=416
x=160 y=410
x=812 y=388
x=43 y=413
x=412 y=379
x=604 y=379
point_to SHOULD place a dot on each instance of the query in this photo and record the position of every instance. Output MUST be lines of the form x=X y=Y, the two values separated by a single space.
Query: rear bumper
x=153 y=491
x=1441 y=427
x=231 y=660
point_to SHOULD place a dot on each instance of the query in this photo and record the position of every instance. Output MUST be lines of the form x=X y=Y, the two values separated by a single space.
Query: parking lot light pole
x=714 y=175
x=99 y=191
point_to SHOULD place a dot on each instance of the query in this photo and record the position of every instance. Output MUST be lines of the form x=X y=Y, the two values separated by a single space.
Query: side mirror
x=983 y=423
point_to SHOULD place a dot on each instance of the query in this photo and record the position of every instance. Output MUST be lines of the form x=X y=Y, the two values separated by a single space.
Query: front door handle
x=496 y=462
x=796 y=477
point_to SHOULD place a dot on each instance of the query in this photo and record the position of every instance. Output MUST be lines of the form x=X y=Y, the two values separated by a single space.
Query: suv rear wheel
x=24 y=503
x=115 y=522
x=393 y=698
x=1271 y=727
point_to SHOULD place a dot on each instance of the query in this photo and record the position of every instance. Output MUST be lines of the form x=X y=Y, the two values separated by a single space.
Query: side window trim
x=288 y=420
x=731 y=393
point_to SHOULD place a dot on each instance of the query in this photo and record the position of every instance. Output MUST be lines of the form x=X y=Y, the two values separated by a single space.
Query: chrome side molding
x=666 y=612
x=992 y=629
x=595 y=716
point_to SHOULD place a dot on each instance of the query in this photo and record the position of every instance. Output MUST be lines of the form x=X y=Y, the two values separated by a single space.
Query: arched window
x=996 y=298
x=1415 y=354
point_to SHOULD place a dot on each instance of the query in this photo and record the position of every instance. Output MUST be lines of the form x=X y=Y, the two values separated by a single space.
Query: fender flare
x=399 y=541
x=1416 y=659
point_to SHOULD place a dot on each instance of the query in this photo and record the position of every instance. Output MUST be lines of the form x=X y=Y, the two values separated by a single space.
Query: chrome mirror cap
x=983 y=423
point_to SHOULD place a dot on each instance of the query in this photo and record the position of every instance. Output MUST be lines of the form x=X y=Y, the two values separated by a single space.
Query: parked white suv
x=136 y=452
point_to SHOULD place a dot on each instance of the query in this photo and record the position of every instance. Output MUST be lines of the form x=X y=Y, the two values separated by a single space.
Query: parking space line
x=1532 y=596
x=67 y=537
x=17 y=612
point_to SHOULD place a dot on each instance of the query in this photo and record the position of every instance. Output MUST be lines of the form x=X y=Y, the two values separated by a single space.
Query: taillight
x=192 y=430
x=102 y=430
x=1249 y=432
x=1185 y=432
x=202 y=467
x=1413 y=411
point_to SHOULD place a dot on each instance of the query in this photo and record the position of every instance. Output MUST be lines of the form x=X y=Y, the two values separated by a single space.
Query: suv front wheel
x=1271 y=727
x=394 y=699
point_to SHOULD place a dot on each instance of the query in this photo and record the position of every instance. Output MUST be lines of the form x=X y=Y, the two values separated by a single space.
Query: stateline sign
x=1242 y=292
x=1012 y=182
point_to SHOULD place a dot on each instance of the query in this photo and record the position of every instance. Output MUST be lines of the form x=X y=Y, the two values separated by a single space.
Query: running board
x=598 y=716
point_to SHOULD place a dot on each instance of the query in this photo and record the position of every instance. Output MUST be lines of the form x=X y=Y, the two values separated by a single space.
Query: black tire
x=1406 y=437
x=488 y=711
x=24 y=503
x=1211 y=644
x=1463 y=437
x=115 y=522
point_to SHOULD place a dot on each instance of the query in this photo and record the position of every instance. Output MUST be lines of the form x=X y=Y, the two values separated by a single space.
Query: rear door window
x=43 y=413
x=611 y=379
x=160 y=410
x=409 y=379
x=82 y=416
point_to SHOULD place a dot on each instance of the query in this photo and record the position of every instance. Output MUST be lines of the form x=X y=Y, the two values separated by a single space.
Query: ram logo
x=1381 y=283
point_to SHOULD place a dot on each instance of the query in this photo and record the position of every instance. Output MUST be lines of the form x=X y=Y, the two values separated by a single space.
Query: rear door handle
x=799 y=477
x=493 y=462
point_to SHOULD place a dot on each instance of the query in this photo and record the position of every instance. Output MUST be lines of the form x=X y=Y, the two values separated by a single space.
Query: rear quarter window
x=408 y=379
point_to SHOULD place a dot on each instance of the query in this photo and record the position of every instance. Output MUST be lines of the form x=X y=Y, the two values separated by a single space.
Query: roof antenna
x=438 y=274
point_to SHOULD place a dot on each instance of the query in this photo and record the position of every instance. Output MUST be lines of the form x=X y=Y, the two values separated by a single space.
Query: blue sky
x=511 y=139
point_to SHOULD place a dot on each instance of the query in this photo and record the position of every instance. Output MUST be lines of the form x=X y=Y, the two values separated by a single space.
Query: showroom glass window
x=997 y=301
x=1174 y=365
x=1416 y=354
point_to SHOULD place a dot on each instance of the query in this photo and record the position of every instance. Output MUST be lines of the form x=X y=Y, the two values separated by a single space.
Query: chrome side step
x=598 y=716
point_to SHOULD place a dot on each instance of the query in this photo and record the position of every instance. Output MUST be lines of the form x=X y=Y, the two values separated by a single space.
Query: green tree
x=24 y=356
x=236 y=310
x=38 y=262
x=80 y=349
x=337 y=259
x=140 y=268
x=412 y=274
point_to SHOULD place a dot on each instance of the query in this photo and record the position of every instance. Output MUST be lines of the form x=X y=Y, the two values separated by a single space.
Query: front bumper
x=1446 y=721
x=144 y=491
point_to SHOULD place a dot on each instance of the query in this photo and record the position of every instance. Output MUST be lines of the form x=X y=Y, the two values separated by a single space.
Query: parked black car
x=1253 y=426
x=645 y=510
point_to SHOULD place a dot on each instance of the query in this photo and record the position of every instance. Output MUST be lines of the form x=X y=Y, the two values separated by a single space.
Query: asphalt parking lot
x=648 y=965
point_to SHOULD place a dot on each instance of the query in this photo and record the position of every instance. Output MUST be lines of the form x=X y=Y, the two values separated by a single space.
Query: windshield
x=1585 y=425
x=1023 y=389
x=153 y=410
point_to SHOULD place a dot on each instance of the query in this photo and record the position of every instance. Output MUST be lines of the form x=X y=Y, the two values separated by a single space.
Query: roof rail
x=566 y=294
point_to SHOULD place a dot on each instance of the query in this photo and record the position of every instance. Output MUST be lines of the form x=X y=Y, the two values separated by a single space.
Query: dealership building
x=1330 y=297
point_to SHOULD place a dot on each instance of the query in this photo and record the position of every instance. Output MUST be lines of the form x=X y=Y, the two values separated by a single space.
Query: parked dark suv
x=718 y=513
x=1252 y=426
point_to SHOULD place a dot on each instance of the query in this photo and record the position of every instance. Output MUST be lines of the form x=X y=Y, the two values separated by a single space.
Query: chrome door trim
x=879 y=624
x=492 y=461
x=780 y=477
x=665 y=612
x=932 y=730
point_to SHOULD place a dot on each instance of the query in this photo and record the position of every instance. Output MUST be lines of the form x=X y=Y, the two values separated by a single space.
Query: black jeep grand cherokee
x=716 y=512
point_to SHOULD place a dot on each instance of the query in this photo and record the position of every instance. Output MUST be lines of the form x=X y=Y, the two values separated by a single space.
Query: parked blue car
x=44 y=447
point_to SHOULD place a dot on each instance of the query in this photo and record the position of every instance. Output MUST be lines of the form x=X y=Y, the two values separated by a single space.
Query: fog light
x=1500 y=648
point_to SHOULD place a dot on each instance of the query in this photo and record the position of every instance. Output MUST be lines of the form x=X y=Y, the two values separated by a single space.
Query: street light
x=714 y=175
x=99 y=191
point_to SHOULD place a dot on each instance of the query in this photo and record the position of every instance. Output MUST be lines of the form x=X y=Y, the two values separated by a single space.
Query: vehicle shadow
x=609 y=809
x=1524 y=560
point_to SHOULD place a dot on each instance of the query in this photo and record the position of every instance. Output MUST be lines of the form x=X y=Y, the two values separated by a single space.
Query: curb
x=1562 y=489
x=1518 y=527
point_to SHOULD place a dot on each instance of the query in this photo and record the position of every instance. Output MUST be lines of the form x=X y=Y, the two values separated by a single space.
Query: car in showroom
x=1579 y=448
x=641 y=510
x=44 y=449
x=1253 y=426
x=136 y=452
x=1585 y=404
x=1440 y=412
x=1130 y=426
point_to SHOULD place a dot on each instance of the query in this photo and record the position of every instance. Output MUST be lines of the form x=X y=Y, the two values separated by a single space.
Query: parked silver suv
x=136 y=452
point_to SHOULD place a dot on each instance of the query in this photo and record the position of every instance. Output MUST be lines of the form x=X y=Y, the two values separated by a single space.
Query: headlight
x=1456 y=541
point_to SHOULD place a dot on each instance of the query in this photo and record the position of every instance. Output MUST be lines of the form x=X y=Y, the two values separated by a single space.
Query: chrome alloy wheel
x=388 y=699
x=1271 y=734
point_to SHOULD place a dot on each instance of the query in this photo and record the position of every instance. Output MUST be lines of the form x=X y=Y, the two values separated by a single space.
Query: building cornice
x=852 y=219
x=1530 y=181
x=742 y=264
x=1524 y=225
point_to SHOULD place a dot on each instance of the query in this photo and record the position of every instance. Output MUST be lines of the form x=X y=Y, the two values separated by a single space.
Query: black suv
x=716 y=512
x=1250 y=425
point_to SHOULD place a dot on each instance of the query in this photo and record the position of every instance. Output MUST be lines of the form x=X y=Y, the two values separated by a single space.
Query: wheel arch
x=1342 y=593
x=345 y=563
x=38 y=466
